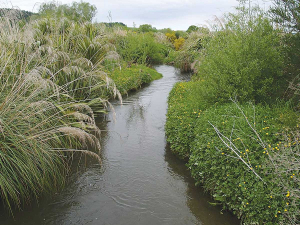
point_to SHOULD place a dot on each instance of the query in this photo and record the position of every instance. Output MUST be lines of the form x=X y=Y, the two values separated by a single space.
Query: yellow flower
x=288 y=194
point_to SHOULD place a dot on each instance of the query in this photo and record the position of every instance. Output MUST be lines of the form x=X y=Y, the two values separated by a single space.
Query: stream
x=140 y=181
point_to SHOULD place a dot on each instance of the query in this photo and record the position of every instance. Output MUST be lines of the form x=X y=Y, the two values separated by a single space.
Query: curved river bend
x=140 y=182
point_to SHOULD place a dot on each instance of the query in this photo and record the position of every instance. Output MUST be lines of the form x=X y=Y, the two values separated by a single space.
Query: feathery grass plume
x=41 y=77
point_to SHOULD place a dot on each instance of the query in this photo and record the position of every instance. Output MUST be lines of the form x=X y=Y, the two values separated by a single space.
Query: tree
x=192 y=28
x=287 y=13
x=147 y=28
x=80 y=12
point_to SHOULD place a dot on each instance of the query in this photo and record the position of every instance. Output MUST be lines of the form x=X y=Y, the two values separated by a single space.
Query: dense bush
x=132 y=78
x=140 y=48
x=187 y=57
x=244 y=59
x=185 y=102
x=221 y=171
x=249 y=162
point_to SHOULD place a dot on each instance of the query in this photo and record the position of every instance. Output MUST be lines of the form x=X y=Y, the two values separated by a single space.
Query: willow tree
x=287 y=13
x=77 y=11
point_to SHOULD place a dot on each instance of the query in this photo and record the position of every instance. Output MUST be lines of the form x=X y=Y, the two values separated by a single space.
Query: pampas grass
x=50 y=73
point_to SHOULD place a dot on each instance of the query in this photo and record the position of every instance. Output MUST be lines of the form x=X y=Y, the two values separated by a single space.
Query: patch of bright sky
x=175 y=14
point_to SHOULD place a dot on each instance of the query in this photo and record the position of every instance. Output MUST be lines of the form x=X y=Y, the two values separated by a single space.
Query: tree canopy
x=77 y=11
x=287 y=13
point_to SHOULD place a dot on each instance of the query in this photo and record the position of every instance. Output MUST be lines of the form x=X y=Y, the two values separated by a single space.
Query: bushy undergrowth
x=221 y=170
x=244 y=59
x=186 y=100
x=245 y=155
x=132 y=78
x=187 y=57
x=192 y=128
x=141 y=48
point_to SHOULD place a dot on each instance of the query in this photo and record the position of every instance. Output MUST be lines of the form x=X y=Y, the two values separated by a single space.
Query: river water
x=140 y=181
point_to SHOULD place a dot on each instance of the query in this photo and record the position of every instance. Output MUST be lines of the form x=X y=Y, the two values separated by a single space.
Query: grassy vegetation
x=236 y=122
x=133 y=78
x=52 y=70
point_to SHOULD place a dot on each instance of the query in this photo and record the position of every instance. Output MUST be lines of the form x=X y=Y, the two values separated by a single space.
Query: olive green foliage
x=181 y=34
x=115 y=24
x=147 y=28
x=18 y=14
x=192 y=28
x=140 y=48
x=286 y=13
x=132 y=78
x=166 y=30
x=82 y=11
x=189 y=52
x=245 y=59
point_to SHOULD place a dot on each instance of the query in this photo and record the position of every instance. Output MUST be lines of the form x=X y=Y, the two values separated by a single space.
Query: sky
x=174 y=14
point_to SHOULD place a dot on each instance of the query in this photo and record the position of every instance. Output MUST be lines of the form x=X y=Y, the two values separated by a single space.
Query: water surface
x=140 y=182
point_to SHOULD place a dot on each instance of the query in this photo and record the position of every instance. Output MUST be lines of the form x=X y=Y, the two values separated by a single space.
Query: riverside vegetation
x=236 y=123
x=53 y=70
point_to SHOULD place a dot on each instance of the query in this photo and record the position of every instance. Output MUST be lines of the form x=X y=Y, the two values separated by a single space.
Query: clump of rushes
x=35 y=131
x=41 y=122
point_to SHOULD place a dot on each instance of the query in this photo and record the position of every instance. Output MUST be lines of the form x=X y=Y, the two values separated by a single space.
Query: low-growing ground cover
x=233 y=163
x=132 y=78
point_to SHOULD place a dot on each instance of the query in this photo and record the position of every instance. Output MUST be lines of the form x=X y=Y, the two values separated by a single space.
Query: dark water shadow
x=198 y=200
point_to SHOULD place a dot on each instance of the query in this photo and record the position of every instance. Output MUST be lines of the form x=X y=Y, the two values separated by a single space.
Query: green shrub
x=222 y=172
x=133 y=78
x=140 y=48
x=244 y=59
x=186 y=100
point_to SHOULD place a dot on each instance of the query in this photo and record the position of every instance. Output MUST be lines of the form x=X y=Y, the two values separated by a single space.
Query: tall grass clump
x=41 y=122
x=77 y=55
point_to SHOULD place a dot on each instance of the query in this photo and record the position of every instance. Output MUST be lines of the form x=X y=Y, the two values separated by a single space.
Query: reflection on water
x=140 y=181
